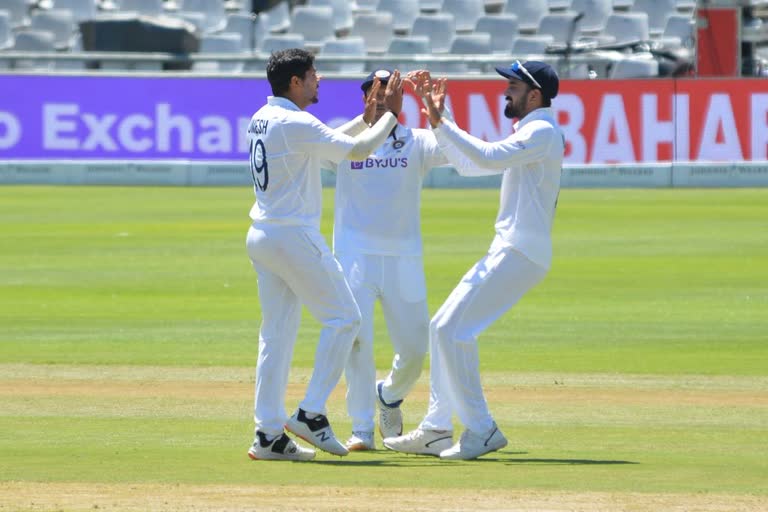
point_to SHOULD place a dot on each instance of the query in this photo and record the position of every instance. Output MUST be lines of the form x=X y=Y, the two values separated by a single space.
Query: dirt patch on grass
x=190 y=390
x=29 y=384
x=77 y=497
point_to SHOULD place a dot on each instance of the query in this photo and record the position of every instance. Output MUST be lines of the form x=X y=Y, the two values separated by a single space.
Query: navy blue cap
x=540 y=72
x=383 y=75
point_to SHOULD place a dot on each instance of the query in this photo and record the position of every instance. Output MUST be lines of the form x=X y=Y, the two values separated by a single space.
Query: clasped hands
x=431 y=91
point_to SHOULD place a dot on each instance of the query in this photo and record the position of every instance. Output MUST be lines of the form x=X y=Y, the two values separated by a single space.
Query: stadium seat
x=527 y=44
x=687 y=6
x=502 y=28
x=575 y=70
x=220 y=43
x=278 y=18
x=145 y=7
x=440 y=29
x=635 y=66
x=658 y=11
x=6 y=35
x=430 y=6
x=30 y=40
x=562 y=26
x=74 y=64
x=494 y=6
x=18 y=11
x=404 y=12
x=406 y=45
x=364 y=6
x=213 y=12
x=680 y=32
x=350 y=46
x=626 y=28
x=315 y=24
x=246 y=25
x=81 y=9
x=409 y=45
x=471 y=44
x=59 y=22
x=195 y=18
x=275 y=42
x=376 y=29
x=342 y=14
x=558 y=5
x=465 y=12
x=467 y=44
x=596 y=13
x=528 y=12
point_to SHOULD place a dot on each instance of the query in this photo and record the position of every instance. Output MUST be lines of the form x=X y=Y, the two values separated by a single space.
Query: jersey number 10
x=258 y=161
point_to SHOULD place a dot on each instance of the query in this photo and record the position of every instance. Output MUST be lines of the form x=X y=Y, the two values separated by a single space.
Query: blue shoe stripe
x=393 y=405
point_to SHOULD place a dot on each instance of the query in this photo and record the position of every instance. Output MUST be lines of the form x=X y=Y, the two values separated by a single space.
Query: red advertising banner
x=629 y=121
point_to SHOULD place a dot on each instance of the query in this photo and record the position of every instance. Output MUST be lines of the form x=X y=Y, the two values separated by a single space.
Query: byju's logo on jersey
x=380 y=163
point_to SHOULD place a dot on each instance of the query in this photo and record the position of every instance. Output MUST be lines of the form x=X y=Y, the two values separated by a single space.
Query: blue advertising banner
x=143 y=118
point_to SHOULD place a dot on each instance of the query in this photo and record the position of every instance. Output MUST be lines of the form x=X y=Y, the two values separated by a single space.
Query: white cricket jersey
x=287 y=148
x=531 y=160
x=378 y=200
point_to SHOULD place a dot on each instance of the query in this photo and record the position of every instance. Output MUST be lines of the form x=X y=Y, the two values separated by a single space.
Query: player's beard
x=515 y=110
x=314 y=99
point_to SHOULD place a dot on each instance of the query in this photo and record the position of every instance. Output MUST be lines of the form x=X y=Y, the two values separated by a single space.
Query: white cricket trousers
x=490 y=288
x=398 y=283
x=295 y=267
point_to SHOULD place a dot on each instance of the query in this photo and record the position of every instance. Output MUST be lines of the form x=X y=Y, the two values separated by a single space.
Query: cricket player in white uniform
x=530 y=161
x=293 y=263
x=377 y=240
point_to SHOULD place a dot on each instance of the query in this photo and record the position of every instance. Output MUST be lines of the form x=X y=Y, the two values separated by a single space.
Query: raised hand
x=432 y=93
x=393 y=95
x=371 y=102
x=439 y=89
x=420 y=80
x=412 y=77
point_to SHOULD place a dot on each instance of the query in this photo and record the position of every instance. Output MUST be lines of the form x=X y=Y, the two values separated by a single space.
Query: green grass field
x=639 y=367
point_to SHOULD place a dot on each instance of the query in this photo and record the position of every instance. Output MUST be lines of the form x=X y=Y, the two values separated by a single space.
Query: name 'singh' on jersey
x=258 y=126
x=258 y=155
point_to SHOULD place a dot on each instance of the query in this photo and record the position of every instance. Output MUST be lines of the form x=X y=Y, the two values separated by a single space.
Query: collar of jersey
x=539 y=113
x=282 y=102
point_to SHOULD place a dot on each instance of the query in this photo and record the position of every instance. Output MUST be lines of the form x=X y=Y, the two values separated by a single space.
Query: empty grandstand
x=585 y=39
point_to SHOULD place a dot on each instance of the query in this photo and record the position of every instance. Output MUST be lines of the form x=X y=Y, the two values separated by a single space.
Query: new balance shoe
x=316 y=431
x=472 y=445
x=360 y=441
x=421 y=442
x=390 y=415
x=280 y=448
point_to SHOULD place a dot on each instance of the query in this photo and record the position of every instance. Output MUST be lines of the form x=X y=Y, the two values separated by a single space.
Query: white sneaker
x=422 y=442
x=280 y=448
x=360 y=441
x=390 y=415
x=316 y=431
x=472 y=445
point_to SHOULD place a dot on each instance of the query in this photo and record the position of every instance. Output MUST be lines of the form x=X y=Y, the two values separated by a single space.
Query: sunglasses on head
x=518 y=67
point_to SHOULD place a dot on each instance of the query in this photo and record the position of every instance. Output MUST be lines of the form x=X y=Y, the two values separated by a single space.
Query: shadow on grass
x=506 y=458
x=377 y=463
x=564 y=462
